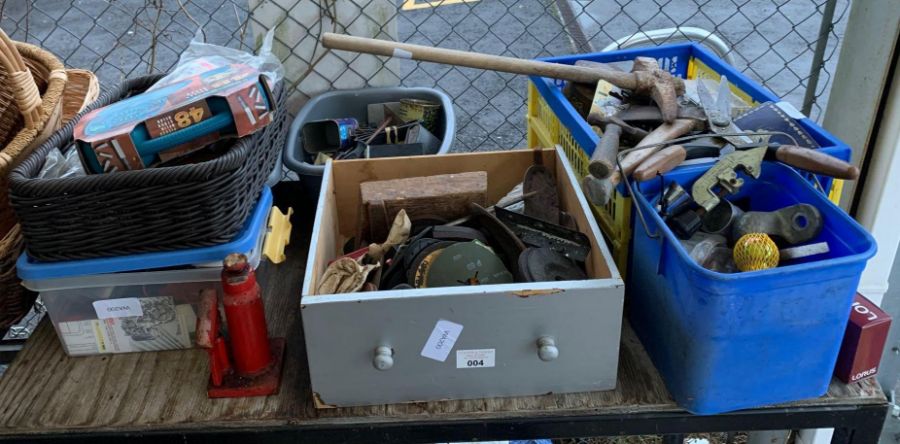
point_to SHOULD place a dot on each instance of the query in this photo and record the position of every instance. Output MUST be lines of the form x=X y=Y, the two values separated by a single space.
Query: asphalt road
x=771 y=40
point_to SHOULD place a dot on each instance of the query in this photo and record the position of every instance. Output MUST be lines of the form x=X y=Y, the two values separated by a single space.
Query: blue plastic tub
x=725 y=342
x=245 y=241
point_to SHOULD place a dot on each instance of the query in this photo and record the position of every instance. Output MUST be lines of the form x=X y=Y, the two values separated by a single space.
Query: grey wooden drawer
x=512 y=339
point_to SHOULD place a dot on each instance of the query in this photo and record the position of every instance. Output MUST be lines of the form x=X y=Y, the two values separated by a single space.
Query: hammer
x=645 y=79
x=596 y=185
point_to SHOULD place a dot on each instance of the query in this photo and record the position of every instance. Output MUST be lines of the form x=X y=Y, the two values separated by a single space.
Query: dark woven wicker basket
x=156 y=209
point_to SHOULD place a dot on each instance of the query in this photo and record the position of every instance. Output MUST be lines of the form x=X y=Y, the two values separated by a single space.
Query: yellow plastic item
x=755 y=251
x=837 y=187
x=278 y=235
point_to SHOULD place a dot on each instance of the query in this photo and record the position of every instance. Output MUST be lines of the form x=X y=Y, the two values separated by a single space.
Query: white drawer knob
x=547 y=350
x=384 y=359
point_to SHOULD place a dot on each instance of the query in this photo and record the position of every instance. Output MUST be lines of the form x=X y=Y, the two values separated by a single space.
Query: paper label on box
x=441 y=340
x=482 y=358
x=118 y=308
x=161 y=326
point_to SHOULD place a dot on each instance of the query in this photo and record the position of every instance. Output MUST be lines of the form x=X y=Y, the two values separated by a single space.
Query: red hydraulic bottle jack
x=254 y=365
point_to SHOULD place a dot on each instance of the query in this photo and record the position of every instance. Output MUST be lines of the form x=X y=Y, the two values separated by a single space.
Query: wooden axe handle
x=477 y=60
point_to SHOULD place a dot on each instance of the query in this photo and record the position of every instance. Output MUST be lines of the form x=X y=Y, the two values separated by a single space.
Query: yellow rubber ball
x=755 y=251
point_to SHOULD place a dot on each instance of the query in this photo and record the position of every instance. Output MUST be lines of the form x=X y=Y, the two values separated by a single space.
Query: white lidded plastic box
x=136 y=309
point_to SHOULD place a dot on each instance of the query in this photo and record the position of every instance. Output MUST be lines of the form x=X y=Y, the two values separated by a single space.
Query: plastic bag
x=58 y=166
x=200 y=57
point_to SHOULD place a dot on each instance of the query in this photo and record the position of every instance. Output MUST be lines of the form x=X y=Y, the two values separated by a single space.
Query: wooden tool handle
x=603 y=159
x=662 y=133
x=477 y=60
x=660 y=162
x=816 y=161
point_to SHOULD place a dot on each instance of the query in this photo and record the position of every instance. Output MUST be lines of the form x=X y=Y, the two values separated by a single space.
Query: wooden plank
x=44 y=391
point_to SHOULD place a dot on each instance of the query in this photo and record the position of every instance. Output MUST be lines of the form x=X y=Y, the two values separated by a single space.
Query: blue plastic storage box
x=725 y=342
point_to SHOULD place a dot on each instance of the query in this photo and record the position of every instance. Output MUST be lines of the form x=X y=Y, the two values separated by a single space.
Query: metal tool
x=651 y=115
x=597 y=191
x=718 y=112
x=502 y=238
x=803 y=251
x=686 y=223
x=547 y=265
x=720 y=219
x=649 y=163
x=673 y=200
x=646 y=78
x=541 y=197
x=723 y=174
x=459 y=234
x=537 y=233
x=603 y=159
x=803 y=158
x=795 y=224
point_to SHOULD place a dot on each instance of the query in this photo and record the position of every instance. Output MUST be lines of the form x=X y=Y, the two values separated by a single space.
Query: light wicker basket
x=32 y=84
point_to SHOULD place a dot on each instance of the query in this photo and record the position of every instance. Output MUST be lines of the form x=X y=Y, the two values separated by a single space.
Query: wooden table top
x=44 y=391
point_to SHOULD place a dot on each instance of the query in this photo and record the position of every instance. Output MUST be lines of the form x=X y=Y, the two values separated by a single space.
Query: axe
x=646 y=78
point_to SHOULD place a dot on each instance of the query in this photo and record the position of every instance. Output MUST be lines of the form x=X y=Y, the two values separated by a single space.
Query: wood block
x=443 y=197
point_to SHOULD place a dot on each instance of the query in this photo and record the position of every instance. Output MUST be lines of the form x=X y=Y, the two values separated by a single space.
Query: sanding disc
x=543 y=265
x=464 y=263
x=396 y=273
x=416 y=263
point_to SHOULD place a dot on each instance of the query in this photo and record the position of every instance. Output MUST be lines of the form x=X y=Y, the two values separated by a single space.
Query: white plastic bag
x=58 y=166
x=200 y=57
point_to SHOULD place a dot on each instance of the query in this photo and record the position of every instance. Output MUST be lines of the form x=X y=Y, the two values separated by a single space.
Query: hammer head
x=660 y=85
x=598 y=191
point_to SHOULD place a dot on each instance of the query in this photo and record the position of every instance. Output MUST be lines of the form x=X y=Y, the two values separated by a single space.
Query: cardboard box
x=501 y=331
x=864 y=341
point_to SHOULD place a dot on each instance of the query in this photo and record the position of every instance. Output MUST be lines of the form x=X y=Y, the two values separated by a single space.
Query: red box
x=864 y=341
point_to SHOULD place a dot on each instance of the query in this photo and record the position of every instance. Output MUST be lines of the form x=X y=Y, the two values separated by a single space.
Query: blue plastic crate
x=724 y=342
x=245 y=241
x=552 y=120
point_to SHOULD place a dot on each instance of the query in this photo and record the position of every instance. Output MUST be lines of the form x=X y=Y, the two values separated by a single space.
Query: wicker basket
x=81 y=90
x=31 y=87
x=155 y=209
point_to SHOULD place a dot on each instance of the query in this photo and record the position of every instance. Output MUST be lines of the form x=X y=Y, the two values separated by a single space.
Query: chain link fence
x=788 y=45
